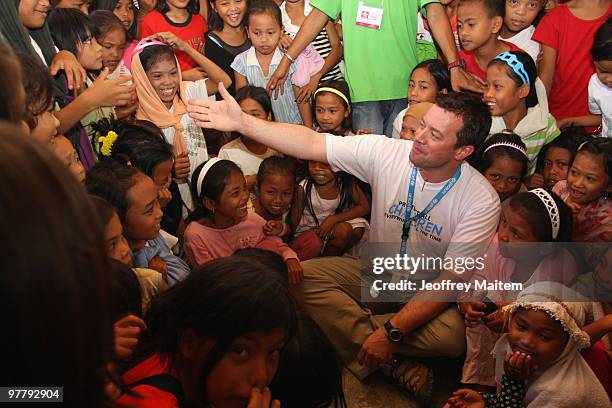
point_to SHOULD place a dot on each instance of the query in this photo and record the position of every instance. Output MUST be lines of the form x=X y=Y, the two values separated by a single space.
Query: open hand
x=277 y=80
x=67 y=62
x=110 y=92
x=464 y=81
x=225 y=115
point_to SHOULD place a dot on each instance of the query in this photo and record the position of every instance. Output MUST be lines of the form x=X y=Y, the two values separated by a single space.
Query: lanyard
x=434 y=201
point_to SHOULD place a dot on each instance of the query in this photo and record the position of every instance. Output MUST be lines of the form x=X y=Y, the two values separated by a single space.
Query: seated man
x=453 y=206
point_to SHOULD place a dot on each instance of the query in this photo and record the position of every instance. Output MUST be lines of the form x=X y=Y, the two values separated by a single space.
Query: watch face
x=395 y=335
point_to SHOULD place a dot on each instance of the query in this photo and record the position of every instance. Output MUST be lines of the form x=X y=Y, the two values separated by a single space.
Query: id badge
x=369 y=15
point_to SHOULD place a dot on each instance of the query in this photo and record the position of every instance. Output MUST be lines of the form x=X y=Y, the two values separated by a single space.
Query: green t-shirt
x=378 y=63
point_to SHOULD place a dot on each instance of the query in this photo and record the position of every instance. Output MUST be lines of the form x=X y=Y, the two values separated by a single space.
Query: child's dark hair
x=126 y=297
x=259 y=95
x=262 y=7
x=212 y=186
x=69 y=28
x=342 y=87
x=309 y=358
x=602 y=43
x=344 y=181
x=569 y=139
x=141 y=143
x=474 y=114
x=532 y=73
x=193 y=7
x=215 y=23
x=275 y=165
x=105 y=22
x=599 y=147
x=534 y=211
x=111 y=180
x=220 y=300
x=38 y=87
x=270 y=260
x=494 y=8
x=487 y=155
x=104 y=209
x=10 y=71
x=110 y=5
x=439 y=71
x=155 y=53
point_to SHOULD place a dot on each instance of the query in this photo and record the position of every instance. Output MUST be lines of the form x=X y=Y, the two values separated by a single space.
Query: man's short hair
x=473 y=112
x=494 y=8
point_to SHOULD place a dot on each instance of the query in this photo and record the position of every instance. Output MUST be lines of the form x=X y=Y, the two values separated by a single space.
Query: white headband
x=551 y=207
x=508 y=144
x=203 y=172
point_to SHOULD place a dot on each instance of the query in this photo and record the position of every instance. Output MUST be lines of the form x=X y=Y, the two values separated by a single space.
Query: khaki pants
x=331 y=295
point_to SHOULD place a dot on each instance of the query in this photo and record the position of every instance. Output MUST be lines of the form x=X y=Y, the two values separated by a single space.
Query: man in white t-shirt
x=469 y=212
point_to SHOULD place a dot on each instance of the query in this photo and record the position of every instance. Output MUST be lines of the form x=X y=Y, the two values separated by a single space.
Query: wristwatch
x=456 y=63
x=393 y=333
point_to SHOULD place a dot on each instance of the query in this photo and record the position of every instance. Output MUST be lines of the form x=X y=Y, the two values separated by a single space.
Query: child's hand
x=285 y=42
x=127 y=331
x=363 y=132
x=308 y=90
x=519 y=365
x=194 y=74
x=67 y=62
x=465 y=398
x=536 y=180
x=327 y=226
x=164 y=196
x=172 y=40
x=262 y=399
x=495 y=321
x=473 y=312
x=112 y=92
x=123 y=112
x=273 y=227
x=575 y=207
x=158 y=264
x=181 y=167
x=295 y=271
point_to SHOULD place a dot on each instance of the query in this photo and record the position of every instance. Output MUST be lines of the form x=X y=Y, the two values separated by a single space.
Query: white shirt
x=469 y=213
x=523 y=41
x=600 y=103
x=248 y=161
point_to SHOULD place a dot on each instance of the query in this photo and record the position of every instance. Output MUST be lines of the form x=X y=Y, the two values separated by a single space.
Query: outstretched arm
x=226 y=115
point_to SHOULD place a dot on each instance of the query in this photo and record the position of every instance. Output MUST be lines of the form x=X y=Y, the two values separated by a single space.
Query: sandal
x=408 y=374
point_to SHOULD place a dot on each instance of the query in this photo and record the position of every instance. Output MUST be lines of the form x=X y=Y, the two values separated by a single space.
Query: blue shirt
x=285 y=108
x=177 y=268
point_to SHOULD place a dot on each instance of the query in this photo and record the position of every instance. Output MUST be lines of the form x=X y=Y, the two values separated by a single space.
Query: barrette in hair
x=514 y=146
x=107 y=143
x=551 y=207
x=516 y=65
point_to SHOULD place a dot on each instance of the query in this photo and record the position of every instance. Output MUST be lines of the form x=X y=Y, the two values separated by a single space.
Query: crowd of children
x=160 y=262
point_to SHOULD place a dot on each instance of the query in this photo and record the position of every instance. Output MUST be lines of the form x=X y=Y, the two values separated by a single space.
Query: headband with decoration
x=334 y=91
x=516 y=65
x=508 y=144
x=147 y=42
x=551 y=207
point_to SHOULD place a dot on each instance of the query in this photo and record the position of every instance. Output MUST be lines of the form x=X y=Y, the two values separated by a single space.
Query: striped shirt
x=285 y=108
x=321 y=42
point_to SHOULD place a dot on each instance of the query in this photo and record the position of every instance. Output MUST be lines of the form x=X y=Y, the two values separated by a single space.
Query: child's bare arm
x=599 y=328
x=361 y=207
x=586 y=120
x=547 y=66
x=304 y=108
x=297 y=208
x=241 y=80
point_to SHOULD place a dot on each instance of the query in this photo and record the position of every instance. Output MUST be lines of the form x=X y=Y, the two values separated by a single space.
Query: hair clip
x=107 y=143
x=508 y=144
x=516 y=65
x=551 y=207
